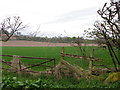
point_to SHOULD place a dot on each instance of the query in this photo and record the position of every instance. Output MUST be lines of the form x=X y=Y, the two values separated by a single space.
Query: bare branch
x=11 y=25
x=109 y=29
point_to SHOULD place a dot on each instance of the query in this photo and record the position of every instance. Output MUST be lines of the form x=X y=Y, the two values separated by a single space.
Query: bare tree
x=111 y=24
x=10 y=26
x=109 y=29
x=34 y=34
x=79 y=42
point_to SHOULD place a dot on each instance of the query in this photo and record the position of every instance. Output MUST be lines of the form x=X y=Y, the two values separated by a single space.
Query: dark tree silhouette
x=109 y=29
x=10 y=26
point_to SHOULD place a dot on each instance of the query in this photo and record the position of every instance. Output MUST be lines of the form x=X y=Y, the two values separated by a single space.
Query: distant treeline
x=57 y=39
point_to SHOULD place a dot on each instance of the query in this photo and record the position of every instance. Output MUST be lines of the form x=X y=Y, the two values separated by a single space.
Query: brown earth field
x=34 y=43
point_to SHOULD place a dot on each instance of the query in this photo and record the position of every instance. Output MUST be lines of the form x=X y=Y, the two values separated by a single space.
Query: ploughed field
x=35 y=43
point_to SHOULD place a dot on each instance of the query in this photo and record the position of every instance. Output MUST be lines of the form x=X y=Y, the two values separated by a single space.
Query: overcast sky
x=55 y=17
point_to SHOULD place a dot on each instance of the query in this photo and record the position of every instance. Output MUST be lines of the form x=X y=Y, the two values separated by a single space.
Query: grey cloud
x=76 y=15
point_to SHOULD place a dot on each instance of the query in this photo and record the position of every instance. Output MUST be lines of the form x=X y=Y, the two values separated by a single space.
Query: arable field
x=26 y=81
x=54 y=52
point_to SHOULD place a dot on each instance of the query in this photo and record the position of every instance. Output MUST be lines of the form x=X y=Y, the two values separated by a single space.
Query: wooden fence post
x=91 y=62
x=15 y=63
x=58 y=67
x=54 y=63
x=62 y=52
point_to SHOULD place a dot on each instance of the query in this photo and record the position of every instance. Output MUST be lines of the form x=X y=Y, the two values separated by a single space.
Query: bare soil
x=34 y=43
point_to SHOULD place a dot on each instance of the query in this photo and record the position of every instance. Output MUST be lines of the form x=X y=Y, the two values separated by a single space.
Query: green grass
x=27 y=81
x=44 y=52
x=54 y=52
